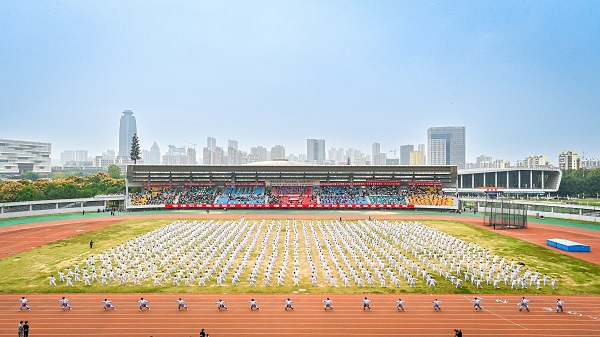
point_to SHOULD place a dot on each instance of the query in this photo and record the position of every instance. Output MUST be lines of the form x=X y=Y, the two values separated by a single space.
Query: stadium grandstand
x=283 y=184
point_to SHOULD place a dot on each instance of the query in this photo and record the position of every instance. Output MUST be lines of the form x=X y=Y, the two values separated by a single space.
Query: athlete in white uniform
x=64 y=303
x=524 y=304
x=143 y=304
x=253 y=304
x=366 y=304
x=559 y=305
x=24 y=302
x=327 y=304
x=181 y=304
x=477 y=303
x=108 y=304
x=288 y=304
x=221 y=305
x=400 y=305
x=436 y=305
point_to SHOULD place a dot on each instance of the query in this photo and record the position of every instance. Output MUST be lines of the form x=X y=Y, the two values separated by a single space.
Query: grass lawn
x=28 y=272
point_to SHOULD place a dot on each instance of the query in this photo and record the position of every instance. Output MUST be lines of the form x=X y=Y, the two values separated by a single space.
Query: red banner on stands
x=199 y=184
x=286 y=206
x=425 y=183
x=383 y=182
x=160 y=184
x=246 y=184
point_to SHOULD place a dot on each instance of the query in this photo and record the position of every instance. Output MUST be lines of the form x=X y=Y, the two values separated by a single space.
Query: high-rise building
x=258 y=153
x=416 y=158
x=67 y=156
x=191 y=156
x=405 y=151
x=446 y=146
x=218 y=156
x=277 y=152
x=534 y=161
x=127 y=129
x=569 y=160
x=154 y=154
x=81 y=155
x=421 y=148
x=211 y=145
x=20 y=156
x=375 y=152
x=232 y=143
x=175 y=156
x=315 y=151
x=206 y=156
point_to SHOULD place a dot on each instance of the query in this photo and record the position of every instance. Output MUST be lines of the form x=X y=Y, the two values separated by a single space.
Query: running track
x=499 y=318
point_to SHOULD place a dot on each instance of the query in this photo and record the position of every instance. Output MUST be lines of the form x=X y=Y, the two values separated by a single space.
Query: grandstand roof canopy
x=220 y=174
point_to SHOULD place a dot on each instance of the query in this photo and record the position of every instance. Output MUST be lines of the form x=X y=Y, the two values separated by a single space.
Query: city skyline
x=352 y=73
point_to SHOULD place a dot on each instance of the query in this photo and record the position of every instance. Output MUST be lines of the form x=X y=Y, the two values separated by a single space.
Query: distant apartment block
x=19 y=156
x=569 y=160
x=446 y=146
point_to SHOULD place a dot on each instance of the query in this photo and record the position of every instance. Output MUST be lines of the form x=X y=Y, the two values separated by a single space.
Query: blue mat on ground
x=568 y=245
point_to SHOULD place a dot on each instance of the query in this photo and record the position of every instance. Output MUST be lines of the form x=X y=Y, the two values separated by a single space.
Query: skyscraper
x=405 y=151
x=375 y=151
x=127 y=129
x=277 y=152
x=446 y=146
x=211 y=146
x=315 y=151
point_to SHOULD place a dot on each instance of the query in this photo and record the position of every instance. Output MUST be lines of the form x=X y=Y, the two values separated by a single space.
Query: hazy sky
x=522 y=76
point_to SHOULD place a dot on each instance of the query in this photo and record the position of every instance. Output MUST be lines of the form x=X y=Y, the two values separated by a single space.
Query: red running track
x=497 y=319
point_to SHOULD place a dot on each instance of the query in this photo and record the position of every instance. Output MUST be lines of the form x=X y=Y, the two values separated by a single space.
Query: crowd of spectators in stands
x=390 y=195
x=429 y=196
x=154 y=195
x=342 y=195
x=197 y=195
x=293 y=195
x=243 y=195
x=290 y=195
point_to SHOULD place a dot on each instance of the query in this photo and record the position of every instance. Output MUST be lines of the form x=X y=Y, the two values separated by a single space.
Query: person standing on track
x=366 y=304
x=143 y=304
x=328 y=304
x=559 y=305
x=20 y=329
x=288 y=304
x=24 y=302
x=64 y=304
x=108 y=304
x=477 y=303
x=26 y=329
x=181 y=304
x=524 y=304
x=400 y=304
x=253 y=304
x=221 y=305
x=436 y=305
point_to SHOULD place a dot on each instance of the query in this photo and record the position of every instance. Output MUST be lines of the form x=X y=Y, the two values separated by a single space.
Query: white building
x=20 y=156
x=315 y=151
x=446 y=146
x=569 y=160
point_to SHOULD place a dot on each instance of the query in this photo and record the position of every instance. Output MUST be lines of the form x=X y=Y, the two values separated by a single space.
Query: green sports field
x=28 y=272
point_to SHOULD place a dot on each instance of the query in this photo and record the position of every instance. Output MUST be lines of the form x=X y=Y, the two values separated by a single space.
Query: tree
x=30 y=175
x=114 y=171
x=135 y=149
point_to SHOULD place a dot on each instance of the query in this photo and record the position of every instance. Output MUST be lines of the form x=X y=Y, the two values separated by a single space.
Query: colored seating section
x=197 y=195
x=429 y=196
x=242 y=195
x=568 y=245
x=292 y=195
x=154 y=195
x=342 y=195
x=388 y=195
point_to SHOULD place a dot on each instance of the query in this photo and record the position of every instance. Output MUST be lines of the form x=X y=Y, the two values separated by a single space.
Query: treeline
x=69 y=188
x=580 y=183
